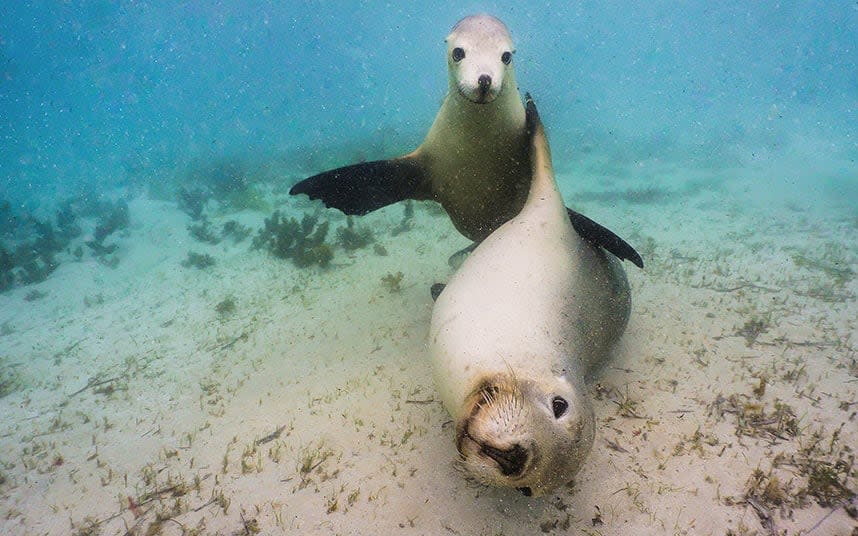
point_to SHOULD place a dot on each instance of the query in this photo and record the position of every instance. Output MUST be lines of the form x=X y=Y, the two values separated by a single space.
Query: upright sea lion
x=531 y=311
x=474 y=161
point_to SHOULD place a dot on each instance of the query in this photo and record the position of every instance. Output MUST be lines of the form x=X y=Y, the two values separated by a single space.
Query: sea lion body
x=514 y=333
x=476 y=152
x=474 y=160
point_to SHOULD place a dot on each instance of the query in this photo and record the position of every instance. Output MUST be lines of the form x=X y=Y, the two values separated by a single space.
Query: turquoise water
x=143 y=140
x=101 y=94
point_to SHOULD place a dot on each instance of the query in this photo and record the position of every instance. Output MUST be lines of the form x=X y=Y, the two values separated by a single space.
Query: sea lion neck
x=500 y=117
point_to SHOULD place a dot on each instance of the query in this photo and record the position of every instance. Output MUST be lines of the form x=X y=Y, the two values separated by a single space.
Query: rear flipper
x=362 y=188
x=603 y=237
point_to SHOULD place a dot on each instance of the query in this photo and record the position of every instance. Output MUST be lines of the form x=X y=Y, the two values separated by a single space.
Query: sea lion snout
x=484 y=86
x=511 y=461
x=481 y=90
x=485 y=82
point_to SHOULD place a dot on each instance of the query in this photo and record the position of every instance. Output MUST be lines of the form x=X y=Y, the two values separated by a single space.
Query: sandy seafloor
x=139 y=409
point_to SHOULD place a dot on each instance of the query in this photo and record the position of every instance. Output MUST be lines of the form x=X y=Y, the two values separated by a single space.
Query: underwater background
x=187 y=349
x=99 y=94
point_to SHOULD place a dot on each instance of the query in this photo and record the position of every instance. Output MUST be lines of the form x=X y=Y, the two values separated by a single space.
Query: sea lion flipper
x=362 y=188
x=603 y=237
x=456 y=259
x=436 y=290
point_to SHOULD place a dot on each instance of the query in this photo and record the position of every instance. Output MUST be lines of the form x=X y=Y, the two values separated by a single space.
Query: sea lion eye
x=559 y=406
x=458 y=54
x=506 y=58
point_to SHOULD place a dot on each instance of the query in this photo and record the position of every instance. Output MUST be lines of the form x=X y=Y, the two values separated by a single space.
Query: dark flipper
x=436 y=290
x=601 y=236
x=362 y=188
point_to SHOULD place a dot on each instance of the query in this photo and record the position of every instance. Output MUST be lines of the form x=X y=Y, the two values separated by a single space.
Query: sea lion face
x=525 y=434
x=479 y=58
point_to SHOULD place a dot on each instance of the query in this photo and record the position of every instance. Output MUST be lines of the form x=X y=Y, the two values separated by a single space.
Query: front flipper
x=603 y=237
x=362 y=188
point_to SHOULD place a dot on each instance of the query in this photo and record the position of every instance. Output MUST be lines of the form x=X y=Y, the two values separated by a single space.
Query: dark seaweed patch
x=352 y=237
x=10 y=380
x=407 y=221
x=235 y=231
x=200 y=261
x=192 y=201
x=225 y=307
x=202 y=232
x=392 y=282
x=301 y=242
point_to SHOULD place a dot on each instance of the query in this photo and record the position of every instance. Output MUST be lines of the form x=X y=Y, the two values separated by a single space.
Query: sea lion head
x=479 y=58
x=532 y=435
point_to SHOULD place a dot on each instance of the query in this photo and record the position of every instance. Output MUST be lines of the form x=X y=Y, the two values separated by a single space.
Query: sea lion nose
x=511 y=461
x=485 y=82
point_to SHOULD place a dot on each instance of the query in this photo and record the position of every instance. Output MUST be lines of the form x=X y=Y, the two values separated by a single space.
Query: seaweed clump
x=834 y=264
x=829 y=471
x=10 y=380
x=766 y=492
x=232 y=182
x=29 y=246
x=753 y=328
x=198 y=260
x=114 y=220
x=8 y=219
x=235 y=231
x=352 y=237
x=829 y=468
x=407 y=222
x=753 y=419
x=202 y=232
x=225 y=307
x=35 y=259
x=67 y=222
x=392 y=282
x=192 y=202
x=34 y=295
x=7 y=263
x=301 y=242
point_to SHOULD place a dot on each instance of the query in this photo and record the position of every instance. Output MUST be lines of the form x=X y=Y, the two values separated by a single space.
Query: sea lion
x=474 y=160
x=529 y=314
